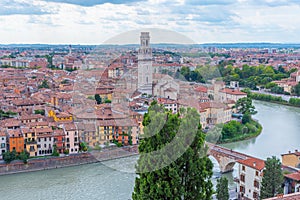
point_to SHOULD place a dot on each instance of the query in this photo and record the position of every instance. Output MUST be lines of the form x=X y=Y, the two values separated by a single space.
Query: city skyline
x=219 y=21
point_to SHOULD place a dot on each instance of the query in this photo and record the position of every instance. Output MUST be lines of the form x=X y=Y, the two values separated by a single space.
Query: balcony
x=30 y=142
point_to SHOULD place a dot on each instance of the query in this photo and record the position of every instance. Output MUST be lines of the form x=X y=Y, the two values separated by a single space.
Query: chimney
x=289 y=152
x=296 y=150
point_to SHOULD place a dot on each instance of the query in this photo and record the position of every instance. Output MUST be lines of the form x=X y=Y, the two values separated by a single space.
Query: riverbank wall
x=39 y=164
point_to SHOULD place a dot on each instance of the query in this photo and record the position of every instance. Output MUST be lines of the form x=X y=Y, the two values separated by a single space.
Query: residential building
x=45 y=141
x=2 y=143
x=292 y=182
x=228 y=94
x=169 y=104
x=71 y=138
x=60 y=116
x=294 y=196
x=250 y=178
x=30 y=141
x=15 y=140
x=59 y=140
x=291 y=159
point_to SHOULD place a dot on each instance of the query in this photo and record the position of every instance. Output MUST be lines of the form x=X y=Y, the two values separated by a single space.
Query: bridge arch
x=226 y=157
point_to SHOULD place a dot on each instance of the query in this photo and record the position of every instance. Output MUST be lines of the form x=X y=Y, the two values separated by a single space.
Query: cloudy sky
x=95 y=21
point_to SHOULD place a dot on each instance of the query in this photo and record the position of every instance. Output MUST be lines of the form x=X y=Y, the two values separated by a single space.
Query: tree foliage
x=222 y=189
x=8 y=114
x=244 y=105
x=296 y=89
x=44 y=84
x=98 y=99
x=55 y=152
x=9 y=156
x=273 y=179
x=163 y=177
x=24 y=155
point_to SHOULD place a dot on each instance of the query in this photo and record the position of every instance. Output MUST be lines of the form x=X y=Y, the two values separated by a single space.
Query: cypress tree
x=173 y=163
x=222 y=189
x=273 y=179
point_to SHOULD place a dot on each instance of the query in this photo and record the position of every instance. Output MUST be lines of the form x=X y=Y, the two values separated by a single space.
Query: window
x=242 y=178
x=256 y=184
x=31 y=148
x=243 y=168
x=256 y=173
x=255 y=195
x=242 y=189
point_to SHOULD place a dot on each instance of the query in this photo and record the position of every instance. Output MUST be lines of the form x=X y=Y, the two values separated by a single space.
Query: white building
x=169 y=104
x=228 y=94
x=250 y=178
x=145 y=71
x=44 y=141
x=2 y=143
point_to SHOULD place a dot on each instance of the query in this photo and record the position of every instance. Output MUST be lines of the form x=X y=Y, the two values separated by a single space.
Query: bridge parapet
x=225 y=157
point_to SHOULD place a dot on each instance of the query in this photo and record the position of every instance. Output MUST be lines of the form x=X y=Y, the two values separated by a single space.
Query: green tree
x=41 y=112
x=55 y=152
x=24 y=155
x=162 y=176
x=270 y=85
x=246 y=118
x=83 y=147
x=244 y=105
x=277 y=90
x=7 y=157
x=222 y=189
x=296 y=89
x=273 y=179
x=231 y=129
x=44 y=84
x=98 y=98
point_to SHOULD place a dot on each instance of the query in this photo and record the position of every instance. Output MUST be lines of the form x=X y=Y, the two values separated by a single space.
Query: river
x=115 y=179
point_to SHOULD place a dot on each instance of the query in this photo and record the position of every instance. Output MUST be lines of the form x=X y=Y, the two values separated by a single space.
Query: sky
x=97 y=21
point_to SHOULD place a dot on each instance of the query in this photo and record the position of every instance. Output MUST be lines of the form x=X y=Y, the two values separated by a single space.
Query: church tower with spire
x=145 y=71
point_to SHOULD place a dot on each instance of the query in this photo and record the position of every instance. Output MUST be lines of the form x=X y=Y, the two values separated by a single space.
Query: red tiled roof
x=293 y=196
x=254 y=163
x=232 y=91
x=294 y=176
x=201 y=89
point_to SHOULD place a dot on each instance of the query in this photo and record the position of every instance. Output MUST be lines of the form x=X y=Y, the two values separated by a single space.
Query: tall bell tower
x=145 y=71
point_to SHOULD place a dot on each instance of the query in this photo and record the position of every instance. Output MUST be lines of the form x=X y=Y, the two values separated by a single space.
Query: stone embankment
x=38 y=164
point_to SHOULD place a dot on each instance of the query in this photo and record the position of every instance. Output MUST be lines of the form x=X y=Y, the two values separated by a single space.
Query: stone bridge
x=225 y=157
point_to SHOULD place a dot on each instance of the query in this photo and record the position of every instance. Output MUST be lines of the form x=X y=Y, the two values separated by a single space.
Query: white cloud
x=213 y=21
